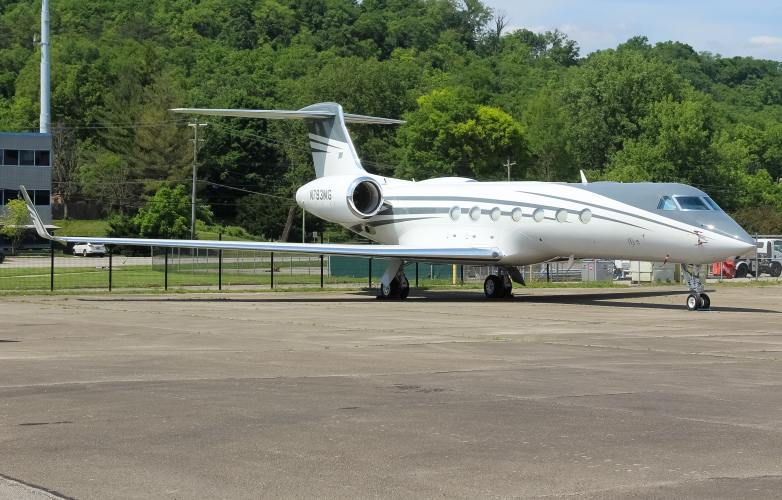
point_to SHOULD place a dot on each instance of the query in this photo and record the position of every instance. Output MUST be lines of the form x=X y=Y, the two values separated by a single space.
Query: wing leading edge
x=425 y=254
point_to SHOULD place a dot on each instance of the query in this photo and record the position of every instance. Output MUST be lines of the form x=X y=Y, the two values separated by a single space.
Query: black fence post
x=165 y=267
x=109 y=267
x=321 y=271
x=272 y=259
x=220 y=264
x=370 y=272
x=461 y=272
x=51 y=284
x=416 y=274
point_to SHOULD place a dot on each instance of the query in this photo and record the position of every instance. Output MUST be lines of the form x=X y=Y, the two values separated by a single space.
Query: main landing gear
x=500 y=285
x=396 y=287
x=697 y=299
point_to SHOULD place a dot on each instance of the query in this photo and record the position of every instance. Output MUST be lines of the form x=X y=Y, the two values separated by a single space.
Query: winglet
x=37 y=222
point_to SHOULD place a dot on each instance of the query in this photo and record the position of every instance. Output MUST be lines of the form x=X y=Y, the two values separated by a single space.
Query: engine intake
x=365 y=198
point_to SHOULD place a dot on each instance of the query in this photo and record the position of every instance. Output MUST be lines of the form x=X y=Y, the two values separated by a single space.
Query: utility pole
x=509 y=164
x=196 y=146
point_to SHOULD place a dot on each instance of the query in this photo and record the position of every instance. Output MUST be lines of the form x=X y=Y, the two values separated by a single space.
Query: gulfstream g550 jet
x=501 y=224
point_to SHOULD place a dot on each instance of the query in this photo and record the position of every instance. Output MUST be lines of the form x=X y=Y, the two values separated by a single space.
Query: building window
x=26 y=157
x=42 y=159
x=10 y=194
x=11 y=157
x=42 y=197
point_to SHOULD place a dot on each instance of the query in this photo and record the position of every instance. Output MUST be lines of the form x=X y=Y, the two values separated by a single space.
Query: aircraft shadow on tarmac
x=604 y=299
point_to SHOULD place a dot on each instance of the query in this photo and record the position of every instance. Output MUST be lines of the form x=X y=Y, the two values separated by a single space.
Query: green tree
x=609 y=96
x=107 y=177
x=448 y=135
x=168 y=214
x=760 y=219
x=14 y=221
x=65 y=164
x=545 y=129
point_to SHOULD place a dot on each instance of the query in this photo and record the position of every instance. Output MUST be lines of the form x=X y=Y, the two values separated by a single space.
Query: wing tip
x=33 y=213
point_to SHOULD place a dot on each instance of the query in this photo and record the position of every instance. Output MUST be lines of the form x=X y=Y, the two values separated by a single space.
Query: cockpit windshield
x=687 y=203
x=691 y=203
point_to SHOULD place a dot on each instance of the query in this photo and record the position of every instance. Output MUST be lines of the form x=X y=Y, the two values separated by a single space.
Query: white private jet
x=502 y=224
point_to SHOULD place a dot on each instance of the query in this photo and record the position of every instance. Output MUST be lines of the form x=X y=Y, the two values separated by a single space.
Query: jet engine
x=344 y=199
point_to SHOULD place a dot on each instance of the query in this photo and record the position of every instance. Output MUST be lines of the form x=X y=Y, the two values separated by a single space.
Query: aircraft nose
x=743 y=243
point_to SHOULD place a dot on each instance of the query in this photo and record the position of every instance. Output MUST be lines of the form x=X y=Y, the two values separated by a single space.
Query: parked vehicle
x=91 y=249
x=769 y=260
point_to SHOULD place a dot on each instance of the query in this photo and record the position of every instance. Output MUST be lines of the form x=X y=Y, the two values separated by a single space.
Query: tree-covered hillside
x=473 y=93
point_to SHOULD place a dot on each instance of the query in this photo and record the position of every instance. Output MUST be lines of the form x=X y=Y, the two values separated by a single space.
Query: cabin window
x=666 y=203
x=585 y=216
x=691 y=203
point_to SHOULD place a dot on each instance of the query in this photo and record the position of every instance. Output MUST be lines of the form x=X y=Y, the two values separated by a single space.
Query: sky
x=727 y=27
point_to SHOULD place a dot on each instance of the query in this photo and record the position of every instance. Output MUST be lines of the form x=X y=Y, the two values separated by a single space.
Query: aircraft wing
x=423 y=254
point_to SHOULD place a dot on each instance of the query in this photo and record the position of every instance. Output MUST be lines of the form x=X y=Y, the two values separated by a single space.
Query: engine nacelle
x=343 y=198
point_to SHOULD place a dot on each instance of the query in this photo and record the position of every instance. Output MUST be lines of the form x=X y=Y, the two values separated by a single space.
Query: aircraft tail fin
x=330 y=144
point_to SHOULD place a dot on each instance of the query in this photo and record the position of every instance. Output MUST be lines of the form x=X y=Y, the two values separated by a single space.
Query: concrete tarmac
x=556 y=393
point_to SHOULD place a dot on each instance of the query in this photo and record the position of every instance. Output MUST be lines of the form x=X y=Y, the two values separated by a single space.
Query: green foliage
x=450 y=136
x=760 y=219
x=610 y=95
x=168 y=214
x=547 y=134
x=14 y=223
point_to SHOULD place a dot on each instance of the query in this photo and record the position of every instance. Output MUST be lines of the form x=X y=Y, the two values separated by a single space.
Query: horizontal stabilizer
x=286 y=115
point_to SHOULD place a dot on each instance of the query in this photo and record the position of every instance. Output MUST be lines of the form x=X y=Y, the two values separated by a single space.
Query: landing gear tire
x=492 y=287
x=390 y=291
x=404 y=289
x=694 y=302
x=705 y=301
x=395 y=290
x=508 y=289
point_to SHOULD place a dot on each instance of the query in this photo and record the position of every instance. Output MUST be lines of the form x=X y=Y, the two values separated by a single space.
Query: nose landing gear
x=697 y=299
